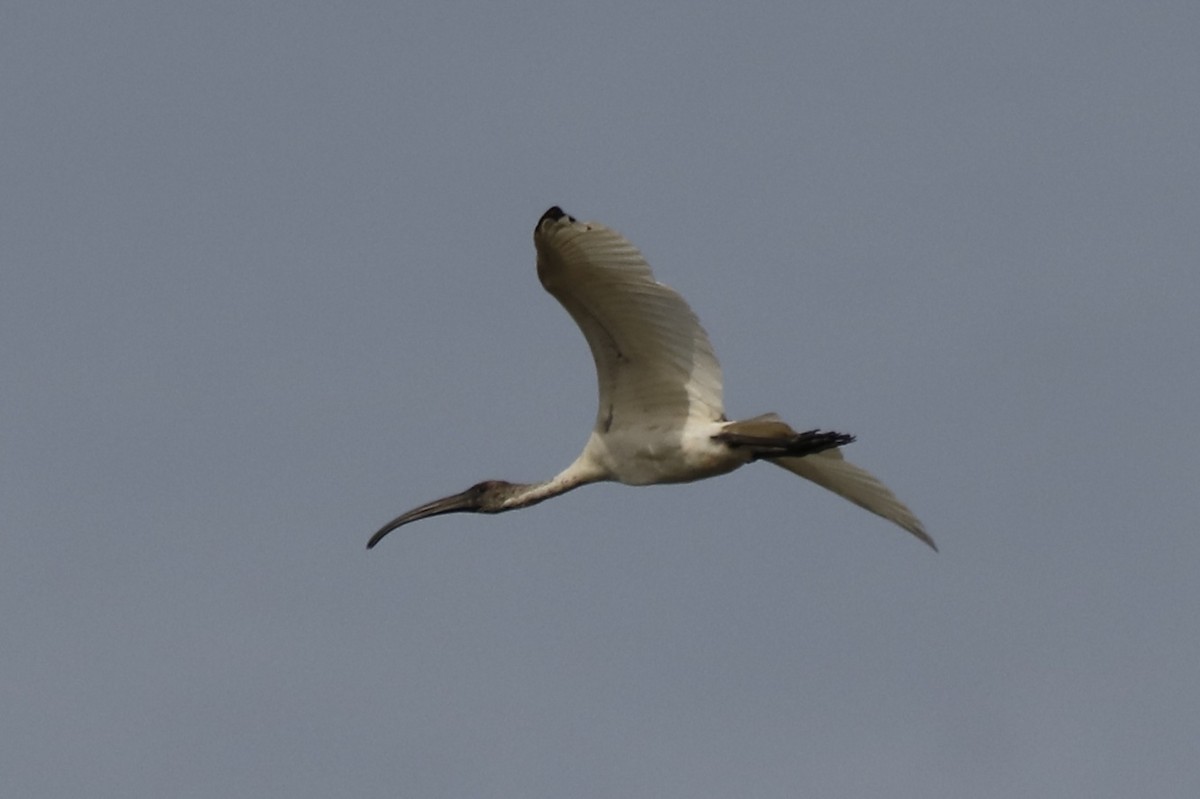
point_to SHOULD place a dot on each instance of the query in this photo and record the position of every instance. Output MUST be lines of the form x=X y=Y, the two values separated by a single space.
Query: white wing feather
x=654 y=362
x=830 y=470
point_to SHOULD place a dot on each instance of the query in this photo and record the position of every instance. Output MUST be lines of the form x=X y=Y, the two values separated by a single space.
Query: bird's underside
x=661 y=416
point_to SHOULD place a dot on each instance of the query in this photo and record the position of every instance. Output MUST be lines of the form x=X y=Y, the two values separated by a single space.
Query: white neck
x=581 y=472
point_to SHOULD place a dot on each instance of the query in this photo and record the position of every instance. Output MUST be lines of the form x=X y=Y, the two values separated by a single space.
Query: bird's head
x=485 y=497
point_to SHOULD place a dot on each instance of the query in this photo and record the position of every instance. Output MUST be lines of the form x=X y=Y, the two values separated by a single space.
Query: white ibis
x=661 y=418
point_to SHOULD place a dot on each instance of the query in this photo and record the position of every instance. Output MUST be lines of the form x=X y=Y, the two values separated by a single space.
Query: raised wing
x=654 y=363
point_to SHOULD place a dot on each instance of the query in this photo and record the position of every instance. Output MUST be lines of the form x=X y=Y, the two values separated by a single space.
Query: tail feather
x=830 y=470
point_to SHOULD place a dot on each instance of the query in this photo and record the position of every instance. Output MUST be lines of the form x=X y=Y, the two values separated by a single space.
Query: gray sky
x=268 y=281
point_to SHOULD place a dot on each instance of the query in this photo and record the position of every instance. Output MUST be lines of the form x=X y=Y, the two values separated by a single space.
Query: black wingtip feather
x=553 y=214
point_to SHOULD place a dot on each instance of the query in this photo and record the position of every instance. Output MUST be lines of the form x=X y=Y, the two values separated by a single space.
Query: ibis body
x=661 y=418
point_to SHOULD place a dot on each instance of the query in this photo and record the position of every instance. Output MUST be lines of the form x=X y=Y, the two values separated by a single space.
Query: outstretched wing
x=830 y=470
x=654 y=363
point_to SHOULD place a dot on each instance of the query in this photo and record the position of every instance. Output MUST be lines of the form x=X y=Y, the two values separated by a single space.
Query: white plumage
x=660 y=418
x=653 y=360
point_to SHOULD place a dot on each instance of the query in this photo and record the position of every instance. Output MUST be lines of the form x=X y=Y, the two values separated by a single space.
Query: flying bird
x=661 y=418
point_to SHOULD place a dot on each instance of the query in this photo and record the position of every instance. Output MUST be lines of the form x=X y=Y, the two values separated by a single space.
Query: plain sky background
x=268 y=280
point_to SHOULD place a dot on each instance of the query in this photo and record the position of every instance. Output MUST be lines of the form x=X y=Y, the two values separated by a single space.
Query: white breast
x=637 y=455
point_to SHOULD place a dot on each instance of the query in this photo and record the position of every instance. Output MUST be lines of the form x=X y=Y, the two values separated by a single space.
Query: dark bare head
x=485 y=497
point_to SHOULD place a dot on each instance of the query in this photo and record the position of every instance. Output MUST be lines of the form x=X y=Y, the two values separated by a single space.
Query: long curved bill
x=466 y=501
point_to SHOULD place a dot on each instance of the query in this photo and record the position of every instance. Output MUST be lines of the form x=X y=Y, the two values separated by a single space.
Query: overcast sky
x=268 y=280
